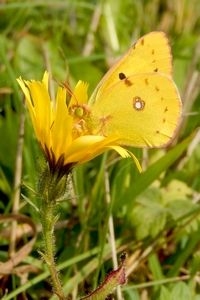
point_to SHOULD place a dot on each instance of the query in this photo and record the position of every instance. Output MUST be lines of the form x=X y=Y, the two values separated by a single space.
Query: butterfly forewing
x=151 y=53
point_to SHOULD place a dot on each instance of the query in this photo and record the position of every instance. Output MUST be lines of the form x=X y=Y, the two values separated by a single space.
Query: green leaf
x=155 y=267
x=181 y=291
x=165 y=294
x=149 y=208
x=112 y=280
x=153 y=172
x=131 y=295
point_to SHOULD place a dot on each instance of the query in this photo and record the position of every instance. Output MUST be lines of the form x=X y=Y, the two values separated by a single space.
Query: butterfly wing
x=143 y=113
x=151 y=53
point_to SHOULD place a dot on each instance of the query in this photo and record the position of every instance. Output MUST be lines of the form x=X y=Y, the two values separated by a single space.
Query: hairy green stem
x=48 y=219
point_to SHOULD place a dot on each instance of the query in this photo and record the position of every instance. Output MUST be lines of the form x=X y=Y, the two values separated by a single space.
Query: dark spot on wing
x=166 y=109
x=128 y=82
x=122 y=76
x=155 y=70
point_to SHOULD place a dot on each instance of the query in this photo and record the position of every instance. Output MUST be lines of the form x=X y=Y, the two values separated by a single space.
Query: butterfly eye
x=138 y=103
x=79 y=112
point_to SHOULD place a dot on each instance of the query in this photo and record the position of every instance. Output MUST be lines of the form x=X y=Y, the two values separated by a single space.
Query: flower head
x=67 y=131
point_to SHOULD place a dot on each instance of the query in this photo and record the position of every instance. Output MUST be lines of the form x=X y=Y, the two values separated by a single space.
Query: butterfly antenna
x=69 y=90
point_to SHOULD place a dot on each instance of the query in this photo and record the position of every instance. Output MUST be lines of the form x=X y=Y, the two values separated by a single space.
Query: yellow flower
x=66 y=130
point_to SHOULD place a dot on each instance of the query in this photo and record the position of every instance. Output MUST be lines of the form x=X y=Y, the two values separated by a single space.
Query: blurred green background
x=155 y=213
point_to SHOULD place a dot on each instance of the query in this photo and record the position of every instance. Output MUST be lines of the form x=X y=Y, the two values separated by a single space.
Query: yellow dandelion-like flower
x=68 y=133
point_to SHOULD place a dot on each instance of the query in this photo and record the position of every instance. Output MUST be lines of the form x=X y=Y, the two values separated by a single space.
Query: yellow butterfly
x=137 y=100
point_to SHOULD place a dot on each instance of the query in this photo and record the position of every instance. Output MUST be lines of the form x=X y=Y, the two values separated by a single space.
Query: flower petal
x=87 y=147
x=61 y=129
x=79 y=95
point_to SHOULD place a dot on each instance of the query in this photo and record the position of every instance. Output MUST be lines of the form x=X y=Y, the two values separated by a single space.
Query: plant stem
x=112 y=234
x=17 y=184
x=48 y=219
